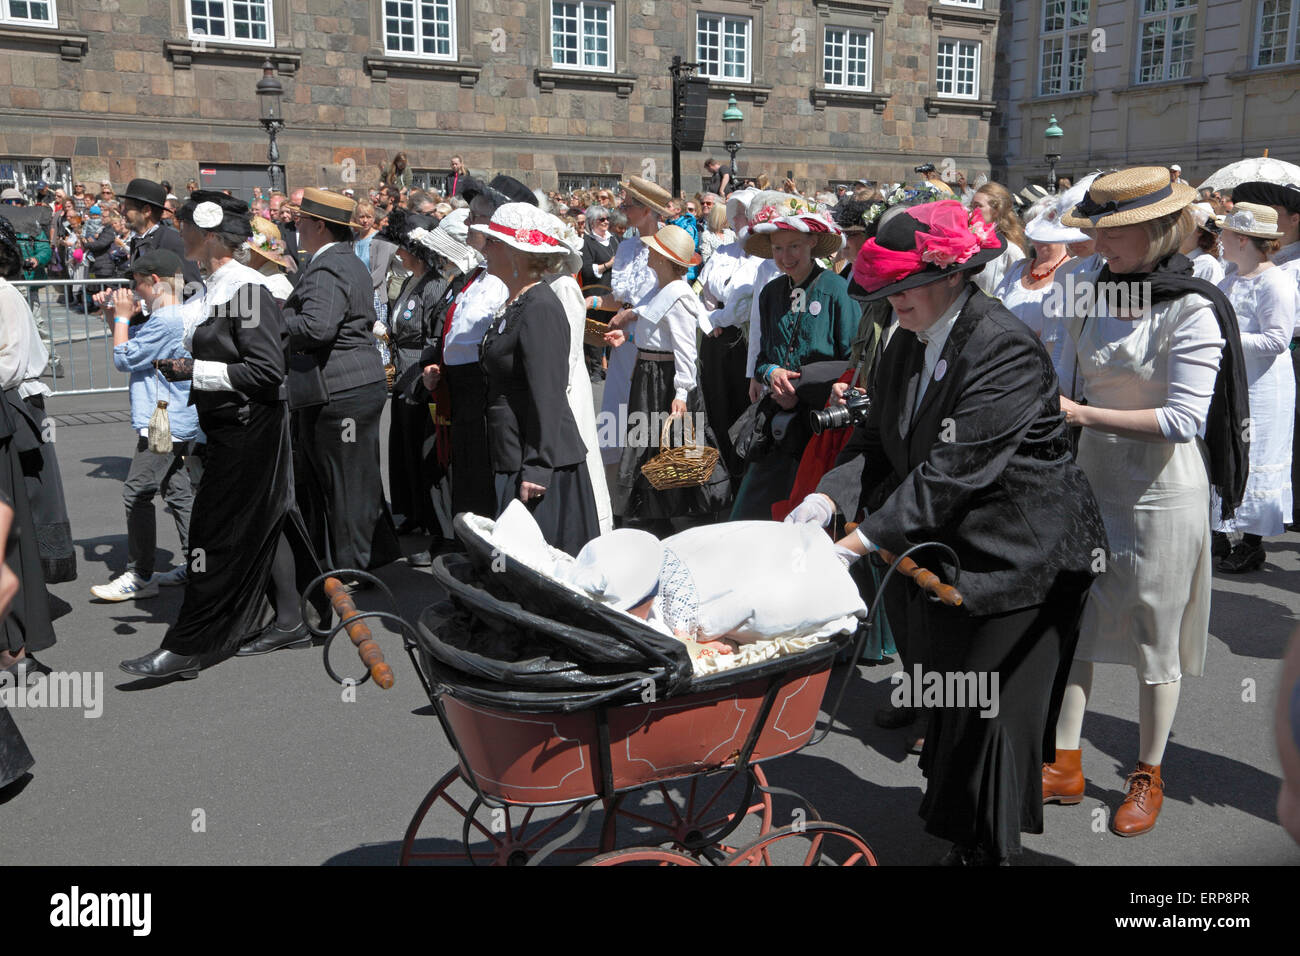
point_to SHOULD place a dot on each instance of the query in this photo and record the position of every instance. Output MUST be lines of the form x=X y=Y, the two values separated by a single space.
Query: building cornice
x=185 y=53
x=381 y=68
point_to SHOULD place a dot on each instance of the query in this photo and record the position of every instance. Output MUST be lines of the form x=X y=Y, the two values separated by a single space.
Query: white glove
x=815 y=509
x=379 y=329
x=846 y=556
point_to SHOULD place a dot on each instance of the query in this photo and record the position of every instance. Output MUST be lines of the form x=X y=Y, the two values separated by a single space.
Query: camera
x=854 y=411
x=924 y=168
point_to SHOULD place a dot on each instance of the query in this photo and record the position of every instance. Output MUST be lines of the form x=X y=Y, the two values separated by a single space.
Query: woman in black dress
x=598 y=247
x=245 y=524
x=537 y=453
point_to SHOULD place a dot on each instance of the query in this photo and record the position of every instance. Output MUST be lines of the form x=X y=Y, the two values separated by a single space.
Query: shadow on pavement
x=113 y=467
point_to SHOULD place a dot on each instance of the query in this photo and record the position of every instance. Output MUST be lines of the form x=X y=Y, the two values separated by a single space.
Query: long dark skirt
x=984 y=773
x=243 y=505
x=725 y=388
x=340 y=441
x=649 y=403
x=473 y=485
x=413 y=469
x=766 y=481
x=15 y=758
x=28 y=623
x=44 y=484
x=566 y=513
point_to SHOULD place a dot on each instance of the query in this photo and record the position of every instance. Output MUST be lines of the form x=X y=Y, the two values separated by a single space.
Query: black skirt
x=473 y=486
x=15 y=758
x=725 y=389
x=649 y=403
x=413 y=470
x=566 y=513
x=243 y=505
x=29 y=623
x=44 y=483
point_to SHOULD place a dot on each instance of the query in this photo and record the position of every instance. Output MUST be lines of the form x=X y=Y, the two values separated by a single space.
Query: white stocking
x=1069 y=725
x=1157 y=704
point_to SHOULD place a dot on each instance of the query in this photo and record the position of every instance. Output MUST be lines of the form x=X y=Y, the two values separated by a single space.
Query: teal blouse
x=816 y=322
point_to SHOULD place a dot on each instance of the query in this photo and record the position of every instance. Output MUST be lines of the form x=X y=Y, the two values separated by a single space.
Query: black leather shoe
x=274 y=639
x=421 y=559
x=1242 y=559
x=162 y=663
x=892 y=718
x=1220 y=546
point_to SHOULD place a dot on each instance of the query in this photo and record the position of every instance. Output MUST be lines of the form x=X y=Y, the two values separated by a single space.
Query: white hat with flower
x=523 y=226
x=1047 y=225
x=267 y=243
x=771 y=211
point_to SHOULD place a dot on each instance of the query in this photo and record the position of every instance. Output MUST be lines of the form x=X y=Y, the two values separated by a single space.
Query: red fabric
x=534 y=237
x=818 y=458
x=442 y=395
x=955 y=235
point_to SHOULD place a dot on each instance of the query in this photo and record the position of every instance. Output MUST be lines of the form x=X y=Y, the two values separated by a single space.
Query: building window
x=958 y=69
x=978 y=4
x=582 y=35
x=1278 y=32
x=572 y=182
x=846 y=59
x=420 y=28
x=722 y=47
x=1063 y=46
x=232 y=22
x=20 y=13
x=1167 y=40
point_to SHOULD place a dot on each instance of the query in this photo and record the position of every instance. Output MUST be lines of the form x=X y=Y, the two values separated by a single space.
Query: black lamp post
x=1051 y=135
x=733 y=119
x=269 y=92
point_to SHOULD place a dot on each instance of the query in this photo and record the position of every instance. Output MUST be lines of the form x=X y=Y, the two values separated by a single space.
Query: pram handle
x=359 y=632
x=926 y=580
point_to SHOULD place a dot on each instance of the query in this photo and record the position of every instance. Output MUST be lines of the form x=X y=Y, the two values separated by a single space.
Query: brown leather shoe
x=1063 y=781
x=1146 y=793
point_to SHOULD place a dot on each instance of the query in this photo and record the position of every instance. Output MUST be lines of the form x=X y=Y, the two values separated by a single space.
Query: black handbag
x=306 y=382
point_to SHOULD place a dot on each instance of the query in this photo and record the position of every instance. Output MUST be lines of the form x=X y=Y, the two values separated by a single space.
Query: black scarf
x=1225 y=428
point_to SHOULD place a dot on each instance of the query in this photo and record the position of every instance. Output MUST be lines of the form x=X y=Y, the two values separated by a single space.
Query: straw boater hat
x=523 y=226
x=648 y=194
x=771 y=211
x=1252 y=219
x=1128 y=197
x=917 y=245
x=323 y=204
x=267 y=243
x=675 y=243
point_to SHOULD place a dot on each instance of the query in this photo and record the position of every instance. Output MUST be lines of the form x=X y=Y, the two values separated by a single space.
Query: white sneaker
x=126 y=587
x=175 y=577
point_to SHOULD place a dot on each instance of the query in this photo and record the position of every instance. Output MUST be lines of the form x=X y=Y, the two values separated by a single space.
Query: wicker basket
x=595 y=333
x=684 y=467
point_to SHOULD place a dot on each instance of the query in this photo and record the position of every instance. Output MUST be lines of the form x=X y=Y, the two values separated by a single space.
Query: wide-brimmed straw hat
x=917 y=245
x=1128 y=197
x=323 y=204
x=524 y=227
x=1251 y=219
x=771 y=212
x=675 y=243
x=267 y=242
x=648 y=194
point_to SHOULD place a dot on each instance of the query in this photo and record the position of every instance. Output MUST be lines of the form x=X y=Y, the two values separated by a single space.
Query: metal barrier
x=80 y=342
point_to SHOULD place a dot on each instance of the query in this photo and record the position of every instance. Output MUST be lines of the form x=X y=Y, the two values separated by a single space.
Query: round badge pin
x=941 y=369
x=815 y=308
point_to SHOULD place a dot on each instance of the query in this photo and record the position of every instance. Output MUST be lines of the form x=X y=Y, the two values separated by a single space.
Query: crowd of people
x=1089 y=458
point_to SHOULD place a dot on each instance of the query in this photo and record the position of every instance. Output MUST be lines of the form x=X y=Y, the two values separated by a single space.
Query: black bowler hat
x=157 y=262
x=501 y=190
x=146 y=191
x=1286 y=195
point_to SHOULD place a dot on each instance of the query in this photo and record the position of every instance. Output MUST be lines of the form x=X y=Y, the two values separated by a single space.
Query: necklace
x=1040 y=276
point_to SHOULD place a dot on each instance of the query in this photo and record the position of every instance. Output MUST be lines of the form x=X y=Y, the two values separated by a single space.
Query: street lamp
x=732 y=119
x=269 y=92
x=1052 y=154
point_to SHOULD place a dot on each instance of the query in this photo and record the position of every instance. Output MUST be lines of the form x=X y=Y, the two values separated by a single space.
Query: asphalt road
x=263 y=761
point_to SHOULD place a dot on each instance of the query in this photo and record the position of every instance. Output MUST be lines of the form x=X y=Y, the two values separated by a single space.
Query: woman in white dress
x=994 y=204
x=1202 y=245
x=1264 y=298
x=1150 y=381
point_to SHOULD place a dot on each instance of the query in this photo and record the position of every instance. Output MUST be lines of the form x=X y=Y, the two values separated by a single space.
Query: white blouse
x=475 y=306
x=667 y=323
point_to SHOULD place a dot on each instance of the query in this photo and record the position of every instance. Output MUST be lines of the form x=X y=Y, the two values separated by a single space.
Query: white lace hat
x=524 y=227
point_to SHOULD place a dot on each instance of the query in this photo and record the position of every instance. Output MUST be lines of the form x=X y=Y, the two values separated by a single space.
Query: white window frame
x=1189 y=9
x=419 y=37
x=610 y=38
x=841 y=83
x=8 y=19
x=958 y=43
x=1065 y=36
x=228 y=11
x=1292 y=52
x=976 y=4
x=723 y=19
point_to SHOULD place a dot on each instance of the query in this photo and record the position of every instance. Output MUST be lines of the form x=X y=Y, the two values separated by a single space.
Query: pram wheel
x=490 y=836
x=706 y=810
x=643 y=856
x=813 y=843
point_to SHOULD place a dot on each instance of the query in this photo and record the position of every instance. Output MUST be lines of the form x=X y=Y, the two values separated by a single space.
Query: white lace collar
x=226 y=281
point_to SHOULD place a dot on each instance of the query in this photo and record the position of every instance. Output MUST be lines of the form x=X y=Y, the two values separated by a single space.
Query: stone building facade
x=1200 y=83
x=552 y=91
